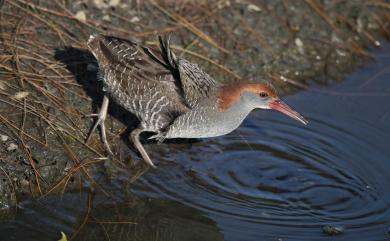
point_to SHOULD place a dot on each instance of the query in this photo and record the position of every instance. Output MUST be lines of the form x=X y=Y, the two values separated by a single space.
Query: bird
x=171 y=96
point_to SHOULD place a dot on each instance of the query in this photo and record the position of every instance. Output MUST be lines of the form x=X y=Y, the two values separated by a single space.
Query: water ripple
x=279 y=173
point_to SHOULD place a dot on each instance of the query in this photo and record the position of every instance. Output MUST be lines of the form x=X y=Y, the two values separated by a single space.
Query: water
x=272 y=179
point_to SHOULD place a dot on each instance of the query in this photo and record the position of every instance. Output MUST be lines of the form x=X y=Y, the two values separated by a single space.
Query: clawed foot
x=134 y=135
x=160 y=138
x=101 y=117
x=100 y=121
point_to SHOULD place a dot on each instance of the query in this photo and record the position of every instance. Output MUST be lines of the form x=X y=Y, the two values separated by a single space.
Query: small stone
x=24 y=183
x=12 y=147
x=21 y=95
x=3 y=138
x=80 y=15
x=299 y=44
x=222 y=4
x=341 y=53
x=106 y=17
x=114 y=3
x=135 y=19
x=372 y=26
x=332 y=230
x=100 y=4
x=253 y=8
x=67 y=168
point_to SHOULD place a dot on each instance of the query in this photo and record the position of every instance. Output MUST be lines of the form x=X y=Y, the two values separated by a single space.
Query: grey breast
x=200 y=92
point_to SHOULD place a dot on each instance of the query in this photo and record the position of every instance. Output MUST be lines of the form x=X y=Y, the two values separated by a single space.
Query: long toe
x=97 y=123
x=104 y=137
x=135 y=139
x=100 y=121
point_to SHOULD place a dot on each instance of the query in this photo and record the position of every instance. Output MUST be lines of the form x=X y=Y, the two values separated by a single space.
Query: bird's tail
x=167 y=52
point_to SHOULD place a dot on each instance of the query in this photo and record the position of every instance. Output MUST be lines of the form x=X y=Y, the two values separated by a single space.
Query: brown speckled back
x=140 y=79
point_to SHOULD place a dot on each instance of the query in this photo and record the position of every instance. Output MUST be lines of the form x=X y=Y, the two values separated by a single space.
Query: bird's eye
x=263 y=94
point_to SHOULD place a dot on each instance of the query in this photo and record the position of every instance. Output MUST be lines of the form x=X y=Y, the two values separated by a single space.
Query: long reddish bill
x=287 y=110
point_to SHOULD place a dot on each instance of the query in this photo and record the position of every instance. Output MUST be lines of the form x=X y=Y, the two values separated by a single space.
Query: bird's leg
x=100 y=121
x=135 y=139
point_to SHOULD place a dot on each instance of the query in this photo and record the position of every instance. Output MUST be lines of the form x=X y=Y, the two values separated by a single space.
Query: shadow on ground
x=83 y=65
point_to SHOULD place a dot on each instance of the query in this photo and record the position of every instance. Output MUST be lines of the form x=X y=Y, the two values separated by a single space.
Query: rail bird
x=171 y=96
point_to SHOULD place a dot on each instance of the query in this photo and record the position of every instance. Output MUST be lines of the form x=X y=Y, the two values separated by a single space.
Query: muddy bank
x=48 y=78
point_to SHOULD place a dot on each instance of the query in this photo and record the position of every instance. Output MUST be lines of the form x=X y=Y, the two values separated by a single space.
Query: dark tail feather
x=166 y=50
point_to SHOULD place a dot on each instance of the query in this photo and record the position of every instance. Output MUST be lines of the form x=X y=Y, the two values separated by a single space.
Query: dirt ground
x=48 y=77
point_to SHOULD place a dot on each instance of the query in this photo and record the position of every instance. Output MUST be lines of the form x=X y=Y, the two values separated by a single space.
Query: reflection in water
x=141 y=220
x=272 y=179
x=135 y=219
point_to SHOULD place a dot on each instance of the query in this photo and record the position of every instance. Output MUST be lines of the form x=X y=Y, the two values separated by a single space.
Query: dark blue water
x=272 y=179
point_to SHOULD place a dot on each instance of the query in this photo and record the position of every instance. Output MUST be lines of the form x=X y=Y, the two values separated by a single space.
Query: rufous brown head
x=259 y=95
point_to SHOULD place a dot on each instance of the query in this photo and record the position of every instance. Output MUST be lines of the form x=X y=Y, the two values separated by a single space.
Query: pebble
x=253 y=8
x=299 y=44
x=333 y=230
x=114 y=3
x=222 y=4
x=24 y=183
x=123 y=5
x=12 y=147
x=80 y=15
x=3 y=138
x=100 y=4
x=340 y=52
x=21 y=95
x=135 y=19
x=106 y=17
